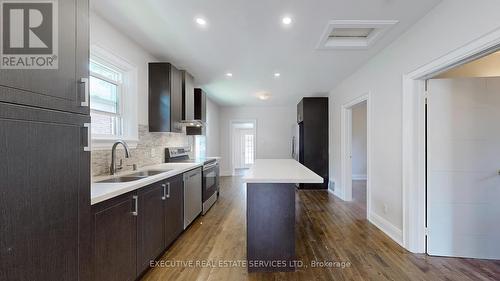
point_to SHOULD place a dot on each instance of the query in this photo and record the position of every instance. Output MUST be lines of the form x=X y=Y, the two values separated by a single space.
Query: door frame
x=413 y=133
x=346 y=147
x=231 y=146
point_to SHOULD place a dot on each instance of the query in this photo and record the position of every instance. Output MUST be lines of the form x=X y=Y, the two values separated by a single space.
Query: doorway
x=359 y=154
x=355 y=148
x=415 y=168
x=243 y=145
x=463 y=182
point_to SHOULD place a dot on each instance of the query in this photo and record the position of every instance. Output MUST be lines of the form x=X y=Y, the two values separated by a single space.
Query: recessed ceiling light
x=201 y=21
x=263 y=95
x=277 y=74
x=229 y=74
x=286 y=20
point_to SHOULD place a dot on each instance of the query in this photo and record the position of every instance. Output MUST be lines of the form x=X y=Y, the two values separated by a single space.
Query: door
x=247 y=148
x=36 y=87
x=174 y=209
x=44 y=194
x=115 y=239
x=150 y=224
x=463 y=162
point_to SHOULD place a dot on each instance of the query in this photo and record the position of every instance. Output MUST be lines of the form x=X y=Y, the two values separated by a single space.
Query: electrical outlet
x=386 y=209
x=153 y=152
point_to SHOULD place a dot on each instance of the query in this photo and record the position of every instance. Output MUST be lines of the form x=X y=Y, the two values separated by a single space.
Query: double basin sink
x=135 y=176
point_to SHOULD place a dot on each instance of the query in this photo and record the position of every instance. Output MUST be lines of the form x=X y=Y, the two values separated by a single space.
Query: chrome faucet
x=113 y=168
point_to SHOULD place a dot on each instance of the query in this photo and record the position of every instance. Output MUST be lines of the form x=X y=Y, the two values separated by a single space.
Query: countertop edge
x=140 y=183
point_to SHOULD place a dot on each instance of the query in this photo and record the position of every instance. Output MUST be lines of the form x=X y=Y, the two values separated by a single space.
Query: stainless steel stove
x=210 y=174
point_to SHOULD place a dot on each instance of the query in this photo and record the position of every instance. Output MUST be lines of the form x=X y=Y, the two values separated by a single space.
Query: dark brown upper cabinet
x=200 y=113
x=165 y=97
x=66 y=87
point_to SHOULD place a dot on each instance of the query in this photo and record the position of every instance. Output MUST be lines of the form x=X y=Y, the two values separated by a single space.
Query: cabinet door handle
x=85 y=82
x=166 y=191
x=136 y=205
x=89 y=138
x=164 y=197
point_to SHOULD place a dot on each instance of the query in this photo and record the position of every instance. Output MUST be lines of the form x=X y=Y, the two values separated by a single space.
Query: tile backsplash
x=150 y=150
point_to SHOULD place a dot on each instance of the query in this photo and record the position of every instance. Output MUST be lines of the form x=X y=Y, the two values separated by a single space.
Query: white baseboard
x=338 y=193
x=359 y=177
x=388 y=228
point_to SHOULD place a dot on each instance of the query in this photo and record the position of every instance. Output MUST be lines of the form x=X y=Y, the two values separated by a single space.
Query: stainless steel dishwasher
x=192 y=195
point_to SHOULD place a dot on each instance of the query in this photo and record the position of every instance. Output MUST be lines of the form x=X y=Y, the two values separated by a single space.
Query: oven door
x=210 y=180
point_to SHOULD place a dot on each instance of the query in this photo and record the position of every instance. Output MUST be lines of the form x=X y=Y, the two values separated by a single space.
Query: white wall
x=110 y=39
x=274 y=131
x=359 y=141
x=452 y=24
x=212 y=130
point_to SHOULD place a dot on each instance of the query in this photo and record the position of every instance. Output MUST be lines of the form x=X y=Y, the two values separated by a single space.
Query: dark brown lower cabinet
x=115 y=242
x=174 y=209
x=150 y=224
x=132 y=230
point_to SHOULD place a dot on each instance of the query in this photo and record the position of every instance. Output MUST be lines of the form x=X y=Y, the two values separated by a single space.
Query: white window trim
x=128 y=100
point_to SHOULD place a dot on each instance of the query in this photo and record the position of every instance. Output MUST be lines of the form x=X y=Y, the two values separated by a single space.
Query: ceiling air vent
x=353 y=34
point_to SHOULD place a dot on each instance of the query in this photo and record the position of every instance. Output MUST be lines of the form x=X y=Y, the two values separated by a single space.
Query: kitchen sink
x=134 y=176
x=148 y=173
x=122 y=179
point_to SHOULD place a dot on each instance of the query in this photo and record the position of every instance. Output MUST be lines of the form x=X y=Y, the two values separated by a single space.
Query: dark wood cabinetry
x=200 y=109
x=61 y=88
x=150 y=224
x=174 y=210
x=187 y=96
x=176 y=100
x=114 y=239
x=312 y=116
x=165 y=97
x=45 y=208
x=45 y=196
x=134 y=229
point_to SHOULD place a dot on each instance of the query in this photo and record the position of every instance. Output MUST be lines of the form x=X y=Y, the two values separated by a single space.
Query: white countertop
x=280 y=171
x=103 y=191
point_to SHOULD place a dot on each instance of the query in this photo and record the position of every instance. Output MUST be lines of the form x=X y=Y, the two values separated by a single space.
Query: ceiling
x=248 y=39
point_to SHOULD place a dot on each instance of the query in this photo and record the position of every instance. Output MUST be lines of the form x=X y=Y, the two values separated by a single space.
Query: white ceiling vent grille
x=353 y=34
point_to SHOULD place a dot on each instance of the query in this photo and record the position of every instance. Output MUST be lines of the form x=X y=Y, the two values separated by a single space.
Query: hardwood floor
x=327 y=230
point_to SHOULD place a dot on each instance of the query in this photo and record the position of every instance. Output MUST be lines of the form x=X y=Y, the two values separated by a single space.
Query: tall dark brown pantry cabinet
x=45 y=160
x=312 y=119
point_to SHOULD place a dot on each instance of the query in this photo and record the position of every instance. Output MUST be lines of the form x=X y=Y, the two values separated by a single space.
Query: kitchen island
x=271 y=212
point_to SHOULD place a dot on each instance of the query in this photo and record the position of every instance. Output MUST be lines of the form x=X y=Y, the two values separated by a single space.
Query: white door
x=463 y=184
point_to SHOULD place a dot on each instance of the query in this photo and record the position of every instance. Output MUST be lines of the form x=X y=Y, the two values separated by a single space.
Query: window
x=249 y=149
x=106 y=88
x=113 y=99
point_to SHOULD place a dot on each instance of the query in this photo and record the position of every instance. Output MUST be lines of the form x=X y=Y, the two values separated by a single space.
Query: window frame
x=127 y=98
x=120 y=89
